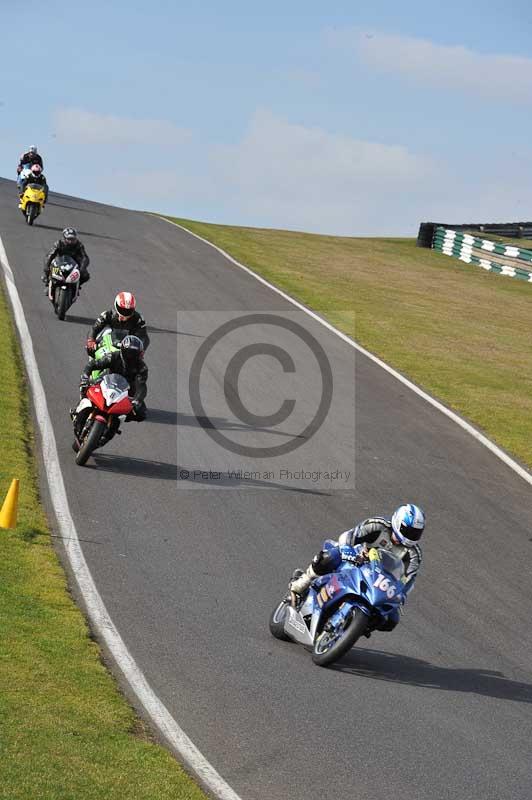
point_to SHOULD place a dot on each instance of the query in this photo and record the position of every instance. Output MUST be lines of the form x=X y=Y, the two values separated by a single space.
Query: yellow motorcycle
x=32 y=202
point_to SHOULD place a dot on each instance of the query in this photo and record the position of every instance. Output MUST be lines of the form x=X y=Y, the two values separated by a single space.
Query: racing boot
x=301 y=581
x=298 y=587
x=297 y=573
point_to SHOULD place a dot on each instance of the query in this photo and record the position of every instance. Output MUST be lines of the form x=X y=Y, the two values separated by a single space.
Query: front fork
x=341 y=617
x=52 y=289
x=93 y=414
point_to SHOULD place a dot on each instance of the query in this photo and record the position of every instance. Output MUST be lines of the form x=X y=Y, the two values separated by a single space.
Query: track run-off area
x=189 y=571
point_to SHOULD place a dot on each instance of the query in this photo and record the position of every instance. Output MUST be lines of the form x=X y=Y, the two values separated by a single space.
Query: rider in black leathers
x=68 y=245
x=36 y=177
x=135 y=373
x=116 y=319
x=29 y=158
x=129 y=362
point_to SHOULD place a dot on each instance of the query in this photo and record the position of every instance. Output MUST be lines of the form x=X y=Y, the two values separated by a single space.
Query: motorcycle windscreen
x=63 y=263
x=114 y=388
x=391 y=564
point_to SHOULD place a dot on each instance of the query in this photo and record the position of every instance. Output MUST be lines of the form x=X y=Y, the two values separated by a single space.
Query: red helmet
x=36 y=169
x=125 y=304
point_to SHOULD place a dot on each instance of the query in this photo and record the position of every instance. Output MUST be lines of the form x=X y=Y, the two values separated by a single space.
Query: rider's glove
x=136 y=405
x=362 y=556
x=91 y=345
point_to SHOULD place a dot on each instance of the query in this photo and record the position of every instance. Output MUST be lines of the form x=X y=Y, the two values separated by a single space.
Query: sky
x=359 y=119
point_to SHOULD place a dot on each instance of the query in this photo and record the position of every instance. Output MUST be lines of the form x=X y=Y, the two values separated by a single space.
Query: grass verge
x=454 y=329
x=66 y=733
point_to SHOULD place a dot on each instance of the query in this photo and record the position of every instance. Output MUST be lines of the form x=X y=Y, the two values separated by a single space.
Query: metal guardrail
x=513 y=230
x=469 y=249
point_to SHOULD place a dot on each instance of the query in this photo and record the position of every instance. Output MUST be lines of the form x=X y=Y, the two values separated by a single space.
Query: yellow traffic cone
x=8 y=514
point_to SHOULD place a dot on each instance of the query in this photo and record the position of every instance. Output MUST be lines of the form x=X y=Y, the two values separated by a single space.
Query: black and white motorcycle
x=63 y=286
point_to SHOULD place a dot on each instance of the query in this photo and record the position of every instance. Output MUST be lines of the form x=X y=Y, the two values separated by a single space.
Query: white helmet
x=408 y=524
x=32 y=148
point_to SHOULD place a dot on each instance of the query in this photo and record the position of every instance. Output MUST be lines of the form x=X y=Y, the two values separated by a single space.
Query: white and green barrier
x=461 y=245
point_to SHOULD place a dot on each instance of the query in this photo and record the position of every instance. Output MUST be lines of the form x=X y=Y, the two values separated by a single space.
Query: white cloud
x=499 y=77
x=77 y=126
x=289 y=175
x=286 y=175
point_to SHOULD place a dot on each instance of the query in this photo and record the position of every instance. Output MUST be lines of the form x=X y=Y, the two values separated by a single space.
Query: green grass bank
x=457 y=331
x=66 y=733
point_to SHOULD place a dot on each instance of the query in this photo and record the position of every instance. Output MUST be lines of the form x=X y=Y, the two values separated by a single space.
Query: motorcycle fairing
x=347 y=588
x=33 y=193
x=111 y=395
x=83 y=403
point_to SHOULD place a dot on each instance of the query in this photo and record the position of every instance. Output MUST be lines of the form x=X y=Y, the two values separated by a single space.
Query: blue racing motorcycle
x=340 y=607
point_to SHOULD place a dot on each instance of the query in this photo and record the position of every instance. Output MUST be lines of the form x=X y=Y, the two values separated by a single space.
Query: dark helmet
x=70 y=236
x=131 y=350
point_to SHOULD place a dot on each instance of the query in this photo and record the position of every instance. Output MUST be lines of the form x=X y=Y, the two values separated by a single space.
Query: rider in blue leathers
x=399 y=534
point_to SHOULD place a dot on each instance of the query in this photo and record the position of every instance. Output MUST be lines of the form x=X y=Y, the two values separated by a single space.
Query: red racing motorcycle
x=98 y=415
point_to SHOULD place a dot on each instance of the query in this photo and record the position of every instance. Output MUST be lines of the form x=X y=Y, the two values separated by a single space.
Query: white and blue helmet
x=408 y=524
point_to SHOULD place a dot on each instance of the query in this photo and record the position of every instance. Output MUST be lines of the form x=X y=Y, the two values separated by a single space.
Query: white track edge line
x=97 y=611
x=480 y=437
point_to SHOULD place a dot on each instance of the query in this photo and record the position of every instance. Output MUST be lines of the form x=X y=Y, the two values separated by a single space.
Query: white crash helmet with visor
x=408 y=524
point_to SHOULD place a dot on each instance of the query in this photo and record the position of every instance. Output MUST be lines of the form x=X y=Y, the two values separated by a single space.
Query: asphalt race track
x=190 y=570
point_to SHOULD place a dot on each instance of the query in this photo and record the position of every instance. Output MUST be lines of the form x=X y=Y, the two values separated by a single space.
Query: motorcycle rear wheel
x=91 y=442
x=277 y=619
x=324 y=653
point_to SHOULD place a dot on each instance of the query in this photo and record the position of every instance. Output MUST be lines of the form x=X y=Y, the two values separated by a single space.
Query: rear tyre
x=277 y=620
x=329 y=646
x=90 y=443
x=62 y=305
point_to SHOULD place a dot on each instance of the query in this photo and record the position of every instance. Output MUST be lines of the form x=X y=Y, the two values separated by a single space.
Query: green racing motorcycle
x=107 y=341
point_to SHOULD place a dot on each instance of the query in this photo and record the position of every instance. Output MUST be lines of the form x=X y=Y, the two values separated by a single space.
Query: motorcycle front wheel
x=31 y=213
x=331 y=644
x=91 y=442
x=62 y=305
